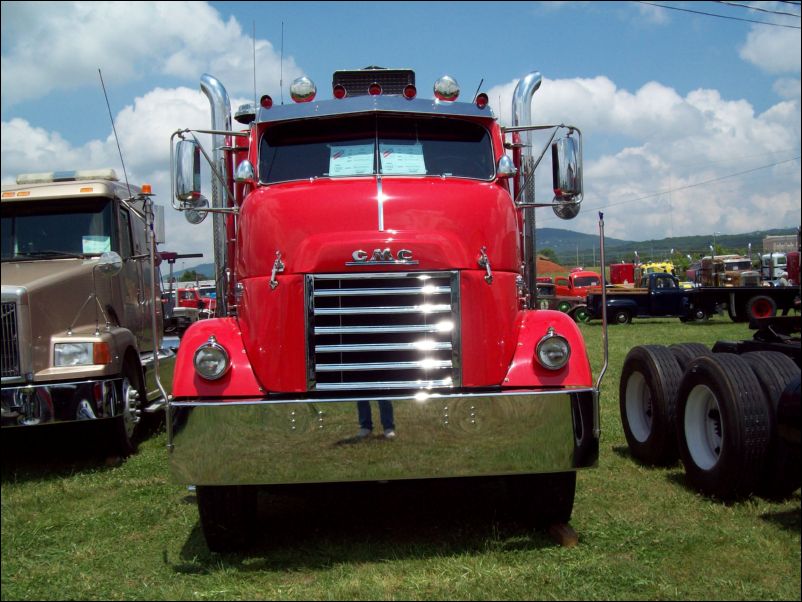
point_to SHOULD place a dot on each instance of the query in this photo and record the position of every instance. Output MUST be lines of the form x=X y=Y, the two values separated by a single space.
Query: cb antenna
x=479 y=87
x=114 y=129
x=281 y=65
x=254 y=66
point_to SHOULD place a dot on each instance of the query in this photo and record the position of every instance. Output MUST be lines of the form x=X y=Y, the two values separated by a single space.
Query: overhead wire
x=687 y=186
x=757 y=8
x=698 y=12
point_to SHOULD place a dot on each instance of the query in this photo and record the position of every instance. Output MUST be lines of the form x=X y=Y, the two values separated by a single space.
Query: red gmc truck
x=377 y=248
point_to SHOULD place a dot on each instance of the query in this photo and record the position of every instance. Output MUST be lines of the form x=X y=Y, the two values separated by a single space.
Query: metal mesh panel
x=10 y=344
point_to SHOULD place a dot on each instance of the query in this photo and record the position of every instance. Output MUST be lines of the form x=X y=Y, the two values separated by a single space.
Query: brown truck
x=81 y=305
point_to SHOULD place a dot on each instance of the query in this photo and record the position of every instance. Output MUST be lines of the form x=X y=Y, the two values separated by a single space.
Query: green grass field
x=74 y=527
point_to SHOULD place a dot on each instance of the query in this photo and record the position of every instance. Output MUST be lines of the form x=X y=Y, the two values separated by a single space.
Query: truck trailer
x=377 y=247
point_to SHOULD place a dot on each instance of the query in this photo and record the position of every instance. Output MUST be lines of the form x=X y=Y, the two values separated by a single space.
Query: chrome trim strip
x=382 y=347
x=380 y=199
x=445 y=383
x=360 y=292
x=376 y=329
x=425 y=364
x=407 y=309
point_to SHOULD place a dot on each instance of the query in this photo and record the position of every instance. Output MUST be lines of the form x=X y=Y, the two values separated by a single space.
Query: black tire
x=131 y=395
x=227 y=515
x=760 y=306
x=564 y=306
x=621 y=316
x=542 y=500
x=699 y=315
x=783 y=473
x=581 y=314
x=723 y=426
x=684 y=353
x=647 y=394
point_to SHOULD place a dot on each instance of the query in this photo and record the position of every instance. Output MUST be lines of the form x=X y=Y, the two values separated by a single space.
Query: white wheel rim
x=130 y=399
x=639 y=407
x=704 y=432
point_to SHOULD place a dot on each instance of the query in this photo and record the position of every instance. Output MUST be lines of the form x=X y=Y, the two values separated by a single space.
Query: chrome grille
x=383 y=331
x=10 y=345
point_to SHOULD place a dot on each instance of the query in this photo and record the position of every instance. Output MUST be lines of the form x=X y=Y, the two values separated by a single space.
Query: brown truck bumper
x=28 y=405
x=314 y=440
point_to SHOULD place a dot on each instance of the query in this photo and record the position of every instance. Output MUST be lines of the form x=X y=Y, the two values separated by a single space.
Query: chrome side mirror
x=195 y=213
x=506 y=168
x=187 y=171
x=109 y=263
x=566 y=161
x=245 y=172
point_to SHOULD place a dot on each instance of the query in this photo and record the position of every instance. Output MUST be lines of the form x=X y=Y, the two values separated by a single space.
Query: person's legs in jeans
x=365 y=418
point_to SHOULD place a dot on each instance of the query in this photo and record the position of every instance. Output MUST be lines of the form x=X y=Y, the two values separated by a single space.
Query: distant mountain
x=576 y=248
x=207 y=269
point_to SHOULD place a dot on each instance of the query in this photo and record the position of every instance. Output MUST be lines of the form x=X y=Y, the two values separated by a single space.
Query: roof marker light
x=374 y=89
x=340 y=91
x=481 y=100
x=266 y=102
x=410 y=92
x=446 y=88
x=303 y=89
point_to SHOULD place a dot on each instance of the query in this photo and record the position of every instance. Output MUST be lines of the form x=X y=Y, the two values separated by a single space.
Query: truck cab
x=374 y=247
x=81 y=303
x=577 y=283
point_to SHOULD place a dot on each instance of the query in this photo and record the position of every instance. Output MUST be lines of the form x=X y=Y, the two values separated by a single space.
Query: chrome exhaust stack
x=522 y=116
x=221 y=121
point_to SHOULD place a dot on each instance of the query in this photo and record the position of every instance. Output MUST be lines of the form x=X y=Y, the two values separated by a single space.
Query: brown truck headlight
x=211 y=360
x=553 y=351
x=81 y=354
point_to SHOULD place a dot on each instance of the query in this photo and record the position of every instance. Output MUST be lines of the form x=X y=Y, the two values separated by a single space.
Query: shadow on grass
x=52 y=451
x=790 y=520
x=317 y=526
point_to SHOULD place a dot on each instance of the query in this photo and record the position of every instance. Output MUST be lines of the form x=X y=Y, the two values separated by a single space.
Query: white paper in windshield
x=402 y=159
x=96 y=244
x=353 y=160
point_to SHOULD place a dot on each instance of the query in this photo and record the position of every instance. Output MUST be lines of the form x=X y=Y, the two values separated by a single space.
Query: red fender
x=238 y=382
x=526 y=371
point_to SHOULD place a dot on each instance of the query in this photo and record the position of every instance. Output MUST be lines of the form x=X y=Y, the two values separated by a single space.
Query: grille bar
x=10 y=361
x=418 y=309
x=363 y=292
x=381 y=347
x=383 y=331
x=396 y=384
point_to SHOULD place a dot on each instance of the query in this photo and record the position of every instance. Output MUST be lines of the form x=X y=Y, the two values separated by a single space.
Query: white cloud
x=773 y=49
x=664 y=142
x=128 y=42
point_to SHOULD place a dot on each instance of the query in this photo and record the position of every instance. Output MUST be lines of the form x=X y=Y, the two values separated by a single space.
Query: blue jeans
x=385 y=412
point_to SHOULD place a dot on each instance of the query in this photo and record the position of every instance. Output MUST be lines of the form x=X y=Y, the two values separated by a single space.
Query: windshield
x=586 y=281
x=372 y=144
x=739 y=265
x=53 y=229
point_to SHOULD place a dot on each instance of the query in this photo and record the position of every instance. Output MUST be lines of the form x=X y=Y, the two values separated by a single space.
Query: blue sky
x=691 y=123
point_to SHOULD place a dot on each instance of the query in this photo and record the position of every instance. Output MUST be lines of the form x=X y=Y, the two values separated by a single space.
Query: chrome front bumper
x=313 y=440
x=28 y=405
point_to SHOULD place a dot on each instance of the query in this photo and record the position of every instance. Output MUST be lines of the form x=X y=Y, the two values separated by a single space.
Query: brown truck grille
x=383 y=331
x=10 y=346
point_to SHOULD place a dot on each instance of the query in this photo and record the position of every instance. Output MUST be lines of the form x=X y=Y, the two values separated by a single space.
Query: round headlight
x=211 y=360
x=553 y=351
